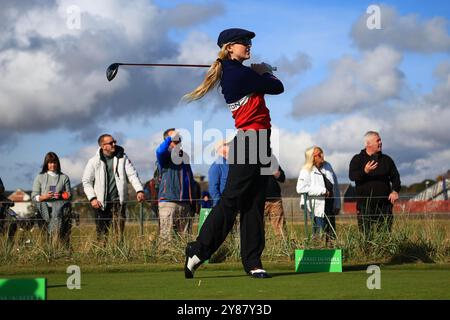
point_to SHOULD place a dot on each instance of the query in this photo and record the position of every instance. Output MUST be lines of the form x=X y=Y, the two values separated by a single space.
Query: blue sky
x=54 y=95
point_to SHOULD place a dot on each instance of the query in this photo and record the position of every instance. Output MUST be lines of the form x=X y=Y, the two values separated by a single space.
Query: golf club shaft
x=165 y=65
x=173 y=65
x=112 y=70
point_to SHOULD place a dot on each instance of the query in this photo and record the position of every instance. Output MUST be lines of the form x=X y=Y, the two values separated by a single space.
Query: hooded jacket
x=95 y=180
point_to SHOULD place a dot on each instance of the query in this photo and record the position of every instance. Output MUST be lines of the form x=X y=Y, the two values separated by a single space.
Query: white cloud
x=291 y=147
x=192 y=53
x=140 y=151
x=429 y=166
x=414 y=134
x=407 y=32
x=73 y=166
x=354 y=84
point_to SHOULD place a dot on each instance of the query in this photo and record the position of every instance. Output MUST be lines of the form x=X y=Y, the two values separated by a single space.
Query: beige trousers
x=273 y=211
x=173 y=217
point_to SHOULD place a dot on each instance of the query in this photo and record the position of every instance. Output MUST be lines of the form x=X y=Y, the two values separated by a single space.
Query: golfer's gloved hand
x=262 y=68
x=269 y=67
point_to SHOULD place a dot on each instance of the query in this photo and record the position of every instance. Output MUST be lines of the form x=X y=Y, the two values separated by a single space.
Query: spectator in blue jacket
x=218 y=172
x=176 y=186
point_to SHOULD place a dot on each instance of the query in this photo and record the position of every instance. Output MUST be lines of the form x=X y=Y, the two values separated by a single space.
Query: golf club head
x=112 y=71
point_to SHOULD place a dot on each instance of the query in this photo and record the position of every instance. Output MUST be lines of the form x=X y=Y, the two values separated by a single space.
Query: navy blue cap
x=233 y=34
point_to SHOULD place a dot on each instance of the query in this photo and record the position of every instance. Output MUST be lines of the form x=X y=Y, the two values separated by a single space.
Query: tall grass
x=411 y=240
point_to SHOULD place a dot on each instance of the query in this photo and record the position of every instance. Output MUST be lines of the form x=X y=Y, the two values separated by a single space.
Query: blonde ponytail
x=212 y=77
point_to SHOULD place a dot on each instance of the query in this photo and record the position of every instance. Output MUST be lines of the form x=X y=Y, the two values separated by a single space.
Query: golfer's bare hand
x=140 y=196
x=370 y=166
x=261 y=68
x=393 y=197
x=96 y=204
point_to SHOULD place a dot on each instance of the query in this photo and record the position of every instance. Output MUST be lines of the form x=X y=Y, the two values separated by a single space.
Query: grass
x=414 y=260
x=412 y=240
x=228 y=281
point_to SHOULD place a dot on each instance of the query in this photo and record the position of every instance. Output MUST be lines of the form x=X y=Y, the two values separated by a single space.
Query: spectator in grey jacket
x=51 y=194
x=105 y=182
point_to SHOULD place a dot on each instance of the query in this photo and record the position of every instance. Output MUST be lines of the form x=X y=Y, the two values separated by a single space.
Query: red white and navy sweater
x=244 y=90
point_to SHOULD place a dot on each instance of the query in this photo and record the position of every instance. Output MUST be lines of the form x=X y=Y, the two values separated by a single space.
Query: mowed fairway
x=227 y=281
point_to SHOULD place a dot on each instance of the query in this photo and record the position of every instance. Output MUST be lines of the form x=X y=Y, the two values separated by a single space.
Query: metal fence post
x=305 y=214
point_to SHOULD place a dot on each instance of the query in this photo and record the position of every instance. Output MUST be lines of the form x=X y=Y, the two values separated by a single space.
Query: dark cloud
x=297 y=65
x=184 y=15
x=27 y=171
x=62 y=72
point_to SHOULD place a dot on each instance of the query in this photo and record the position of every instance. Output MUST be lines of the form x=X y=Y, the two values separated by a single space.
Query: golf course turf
x=228 y=281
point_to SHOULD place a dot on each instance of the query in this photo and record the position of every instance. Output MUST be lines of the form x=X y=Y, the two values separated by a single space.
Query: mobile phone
x=52 y=188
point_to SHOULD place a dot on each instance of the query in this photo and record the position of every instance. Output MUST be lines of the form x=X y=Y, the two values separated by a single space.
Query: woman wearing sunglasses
x=243 y=89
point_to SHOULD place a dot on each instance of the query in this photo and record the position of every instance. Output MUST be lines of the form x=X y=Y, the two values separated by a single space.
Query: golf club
x=112 y=70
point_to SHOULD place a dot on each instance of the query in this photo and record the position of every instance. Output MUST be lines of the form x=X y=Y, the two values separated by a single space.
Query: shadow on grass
x=243 y=275
x=57 y=286
x=359 y=267
x=413 y=252
x=281 y=274
x=222 y=276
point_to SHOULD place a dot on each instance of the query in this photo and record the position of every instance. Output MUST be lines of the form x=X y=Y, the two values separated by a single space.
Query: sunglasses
x=111 y=142
x=244 y=42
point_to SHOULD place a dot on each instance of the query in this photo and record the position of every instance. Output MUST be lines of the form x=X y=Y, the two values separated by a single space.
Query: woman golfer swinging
x=243 y=89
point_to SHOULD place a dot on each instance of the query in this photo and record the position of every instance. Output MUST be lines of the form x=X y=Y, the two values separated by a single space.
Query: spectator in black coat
x=377 y=185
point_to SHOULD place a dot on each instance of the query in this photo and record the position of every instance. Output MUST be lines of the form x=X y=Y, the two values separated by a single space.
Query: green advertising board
x=23 y=289
x=204 y=212
x=318 y=260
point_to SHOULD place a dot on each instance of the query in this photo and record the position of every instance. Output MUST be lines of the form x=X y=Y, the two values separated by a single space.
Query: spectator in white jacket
x=318 y=182
x=105 y=182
